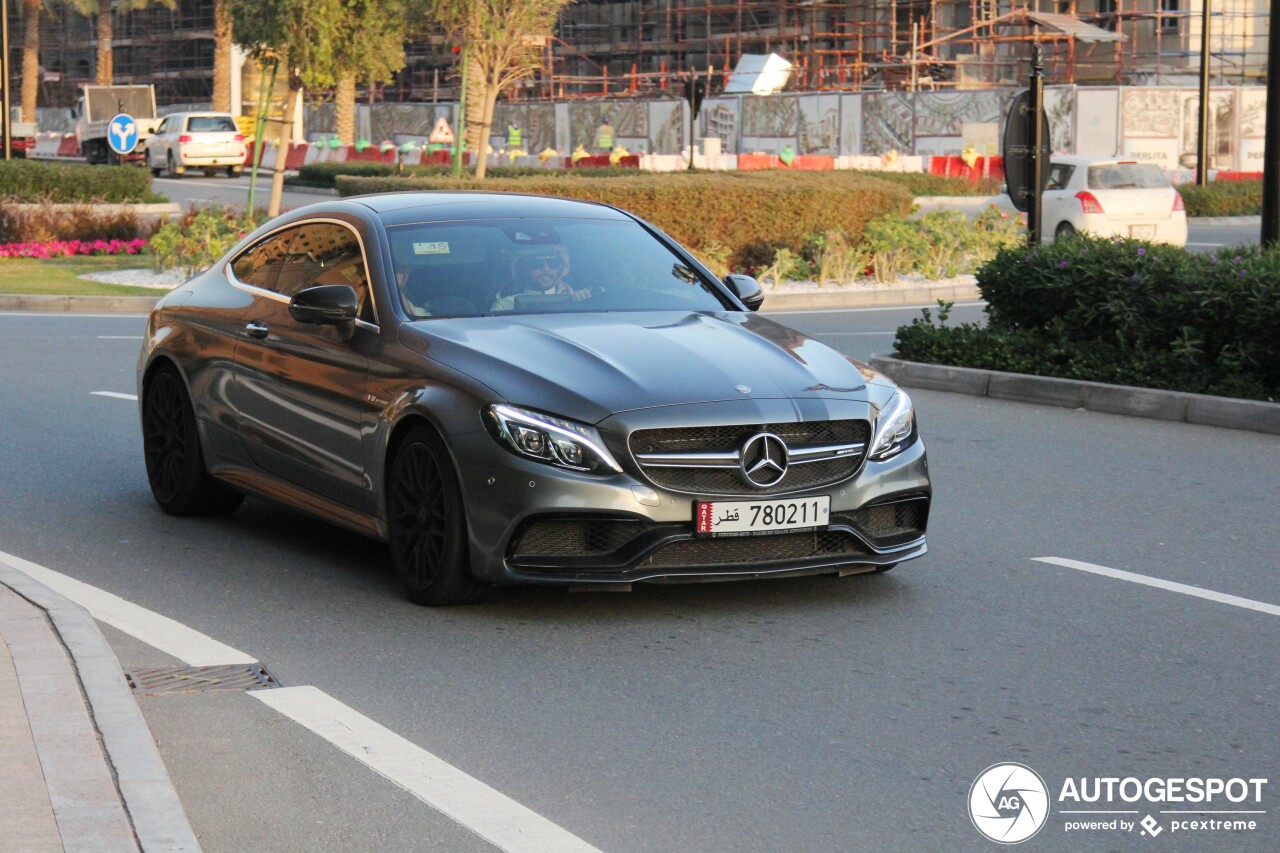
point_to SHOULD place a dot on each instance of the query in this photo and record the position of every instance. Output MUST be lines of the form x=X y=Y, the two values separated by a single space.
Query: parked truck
x=99 y=104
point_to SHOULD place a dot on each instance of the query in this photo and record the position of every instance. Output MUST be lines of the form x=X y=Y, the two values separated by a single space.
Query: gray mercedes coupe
x=515 y=389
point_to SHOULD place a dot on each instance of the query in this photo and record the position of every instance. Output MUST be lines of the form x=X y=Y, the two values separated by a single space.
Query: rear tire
x=235 y=171
x=428 y=526
x=176 y=171
x=1064 y=230
x=174 y=457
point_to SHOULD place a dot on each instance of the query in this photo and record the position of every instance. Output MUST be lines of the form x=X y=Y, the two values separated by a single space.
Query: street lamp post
x=1271 y=153
x=1202 y=141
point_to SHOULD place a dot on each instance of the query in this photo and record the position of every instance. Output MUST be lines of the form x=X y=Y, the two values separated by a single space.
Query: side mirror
x=746 y=289
x=326 y=305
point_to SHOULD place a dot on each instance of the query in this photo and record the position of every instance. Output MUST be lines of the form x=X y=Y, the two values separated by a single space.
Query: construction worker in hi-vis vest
x=604 y=135
x=515 y=136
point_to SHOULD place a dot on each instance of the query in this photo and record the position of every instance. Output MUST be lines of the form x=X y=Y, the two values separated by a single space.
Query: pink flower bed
x=66 y=248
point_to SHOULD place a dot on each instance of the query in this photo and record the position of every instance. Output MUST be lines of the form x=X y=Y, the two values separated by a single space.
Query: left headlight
x=895 y=428
x=546 y=438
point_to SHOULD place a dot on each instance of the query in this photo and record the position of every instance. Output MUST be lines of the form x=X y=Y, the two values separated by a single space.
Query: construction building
x=618 y=48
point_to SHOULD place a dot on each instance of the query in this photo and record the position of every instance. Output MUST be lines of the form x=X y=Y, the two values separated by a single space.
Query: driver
x=542 y=270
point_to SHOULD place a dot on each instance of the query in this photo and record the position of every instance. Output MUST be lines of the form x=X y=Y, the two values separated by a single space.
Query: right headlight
x=895 y=428
x=547 y=438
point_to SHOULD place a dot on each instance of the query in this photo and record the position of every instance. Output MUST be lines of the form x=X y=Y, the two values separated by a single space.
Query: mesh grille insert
x=750 y=551
x=721 y=481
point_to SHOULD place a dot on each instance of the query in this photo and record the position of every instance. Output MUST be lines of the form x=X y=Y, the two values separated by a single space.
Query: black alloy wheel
x=174 y=458
x=427 y=525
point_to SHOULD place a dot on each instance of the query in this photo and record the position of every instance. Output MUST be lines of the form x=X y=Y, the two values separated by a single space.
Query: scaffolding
x=647 y=48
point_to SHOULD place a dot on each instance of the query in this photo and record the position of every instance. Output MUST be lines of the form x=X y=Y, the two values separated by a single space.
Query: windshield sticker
x=440 y=248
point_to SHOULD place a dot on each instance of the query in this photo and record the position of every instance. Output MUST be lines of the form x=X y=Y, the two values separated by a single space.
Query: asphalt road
x=812 y=714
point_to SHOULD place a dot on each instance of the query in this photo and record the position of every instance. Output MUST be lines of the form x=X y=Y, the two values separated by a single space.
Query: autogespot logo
x=1008 y=803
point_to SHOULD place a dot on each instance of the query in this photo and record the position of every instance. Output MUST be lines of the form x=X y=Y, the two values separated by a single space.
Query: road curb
x=55 y=304
x=145 y=787
x=854 y=298
x=1203 y=409
x=1224 y=220
x=890 y=296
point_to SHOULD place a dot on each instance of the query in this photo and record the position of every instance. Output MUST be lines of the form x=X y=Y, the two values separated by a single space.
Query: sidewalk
x=80 y=769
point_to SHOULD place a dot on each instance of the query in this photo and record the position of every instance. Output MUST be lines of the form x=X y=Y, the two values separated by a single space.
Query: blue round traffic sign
x=122 y=133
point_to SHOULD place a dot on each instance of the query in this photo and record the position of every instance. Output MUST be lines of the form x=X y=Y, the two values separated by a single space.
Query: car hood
x=589 y=366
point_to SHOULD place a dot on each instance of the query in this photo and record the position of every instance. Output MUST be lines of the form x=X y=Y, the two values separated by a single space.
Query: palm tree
x=31 y=10
x=106 y=28
x=221 y=56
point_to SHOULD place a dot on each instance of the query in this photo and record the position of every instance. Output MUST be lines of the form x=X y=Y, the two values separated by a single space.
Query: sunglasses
x=553 y=263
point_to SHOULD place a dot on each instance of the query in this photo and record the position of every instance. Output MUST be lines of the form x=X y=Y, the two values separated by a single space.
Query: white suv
x=208 y=141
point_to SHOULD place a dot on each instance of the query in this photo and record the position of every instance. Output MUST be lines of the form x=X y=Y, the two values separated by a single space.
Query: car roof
x=1082 y=160
x=200 y=113
x=402 y=208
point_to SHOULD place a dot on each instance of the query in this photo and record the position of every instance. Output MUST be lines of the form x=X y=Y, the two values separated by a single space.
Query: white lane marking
x=486 y=812
x=66 y=314
x=1171 y=586
x=493 y=816
x=119 y=337
x=115 y=394
x=855 y=334
x=172 y=638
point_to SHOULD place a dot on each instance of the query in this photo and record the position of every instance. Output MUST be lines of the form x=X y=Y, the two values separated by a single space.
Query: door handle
x=256 y=330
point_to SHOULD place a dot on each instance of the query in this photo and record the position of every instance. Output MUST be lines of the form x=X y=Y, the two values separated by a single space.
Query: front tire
x=427 y=524
x=174 y=457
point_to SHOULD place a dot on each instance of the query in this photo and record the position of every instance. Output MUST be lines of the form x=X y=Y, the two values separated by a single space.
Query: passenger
x=541 y=271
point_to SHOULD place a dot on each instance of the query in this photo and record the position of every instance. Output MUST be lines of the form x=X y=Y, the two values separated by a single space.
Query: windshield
x=1119 y=176
x=528 y=266
x=219 y=124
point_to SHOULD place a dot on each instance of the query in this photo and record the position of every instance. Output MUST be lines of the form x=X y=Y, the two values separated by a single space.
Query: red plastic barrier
x=755 y=162
x=1227 y=175
x=69 y=146
x=296 y=157
x=442 y=157
x=952 y=166
x=813 y=162
x=601 y=161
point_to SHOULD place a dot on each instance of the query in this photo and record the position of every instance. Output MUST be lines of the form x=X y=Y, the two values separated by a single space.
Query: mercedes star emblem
x=763 y=460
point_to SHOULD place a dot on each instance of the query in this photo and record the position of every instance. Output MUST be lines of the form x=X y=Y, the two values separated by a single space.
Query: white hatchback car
x=209 y=141
x=1112 y=197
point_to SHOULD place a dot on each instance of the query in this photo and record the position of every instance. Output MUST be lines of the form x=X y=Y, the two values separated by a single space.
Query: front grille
x=756 y=551
x=728 y=439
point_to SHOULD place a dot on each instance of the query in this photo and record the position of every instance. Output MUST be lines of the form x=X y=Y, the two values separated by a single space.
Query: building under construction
x=646 y=47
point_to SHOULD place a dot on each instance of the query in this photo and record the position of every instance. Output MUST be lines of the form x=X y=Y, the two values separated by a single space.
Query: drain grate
x=200 y=679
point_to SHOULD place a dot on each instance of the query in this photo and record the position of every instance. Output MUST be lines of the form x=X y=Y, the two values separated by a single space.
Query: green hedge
x=63 y=183
x=1223 y=198
x=740 y=217
x=919 y=183
x=1123 y=312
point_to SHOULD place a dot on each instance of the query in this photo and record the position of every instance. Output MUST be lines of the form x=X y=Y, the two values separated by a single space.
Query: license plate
x=753 y=518
x=1142 y=232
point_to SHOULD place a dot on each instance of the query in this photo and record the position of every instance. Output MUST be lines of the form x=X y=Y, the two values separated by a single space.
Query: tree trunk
x=221 y=57
x=283 y=140
x=106 y=32
x=486 y=124
x=344 y=109
x=475 y=106
x=30 y=58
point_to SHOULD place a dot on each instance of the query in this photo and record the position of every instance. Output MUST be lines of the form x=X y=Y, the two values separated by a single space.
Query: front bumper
x=532 y=523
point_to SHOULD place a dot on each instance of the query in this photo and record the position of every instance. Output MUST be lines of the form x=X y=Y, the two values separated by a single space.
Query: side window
x=1059 y=176
x=164 y=127
x=326 y=253
x=260 y=264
